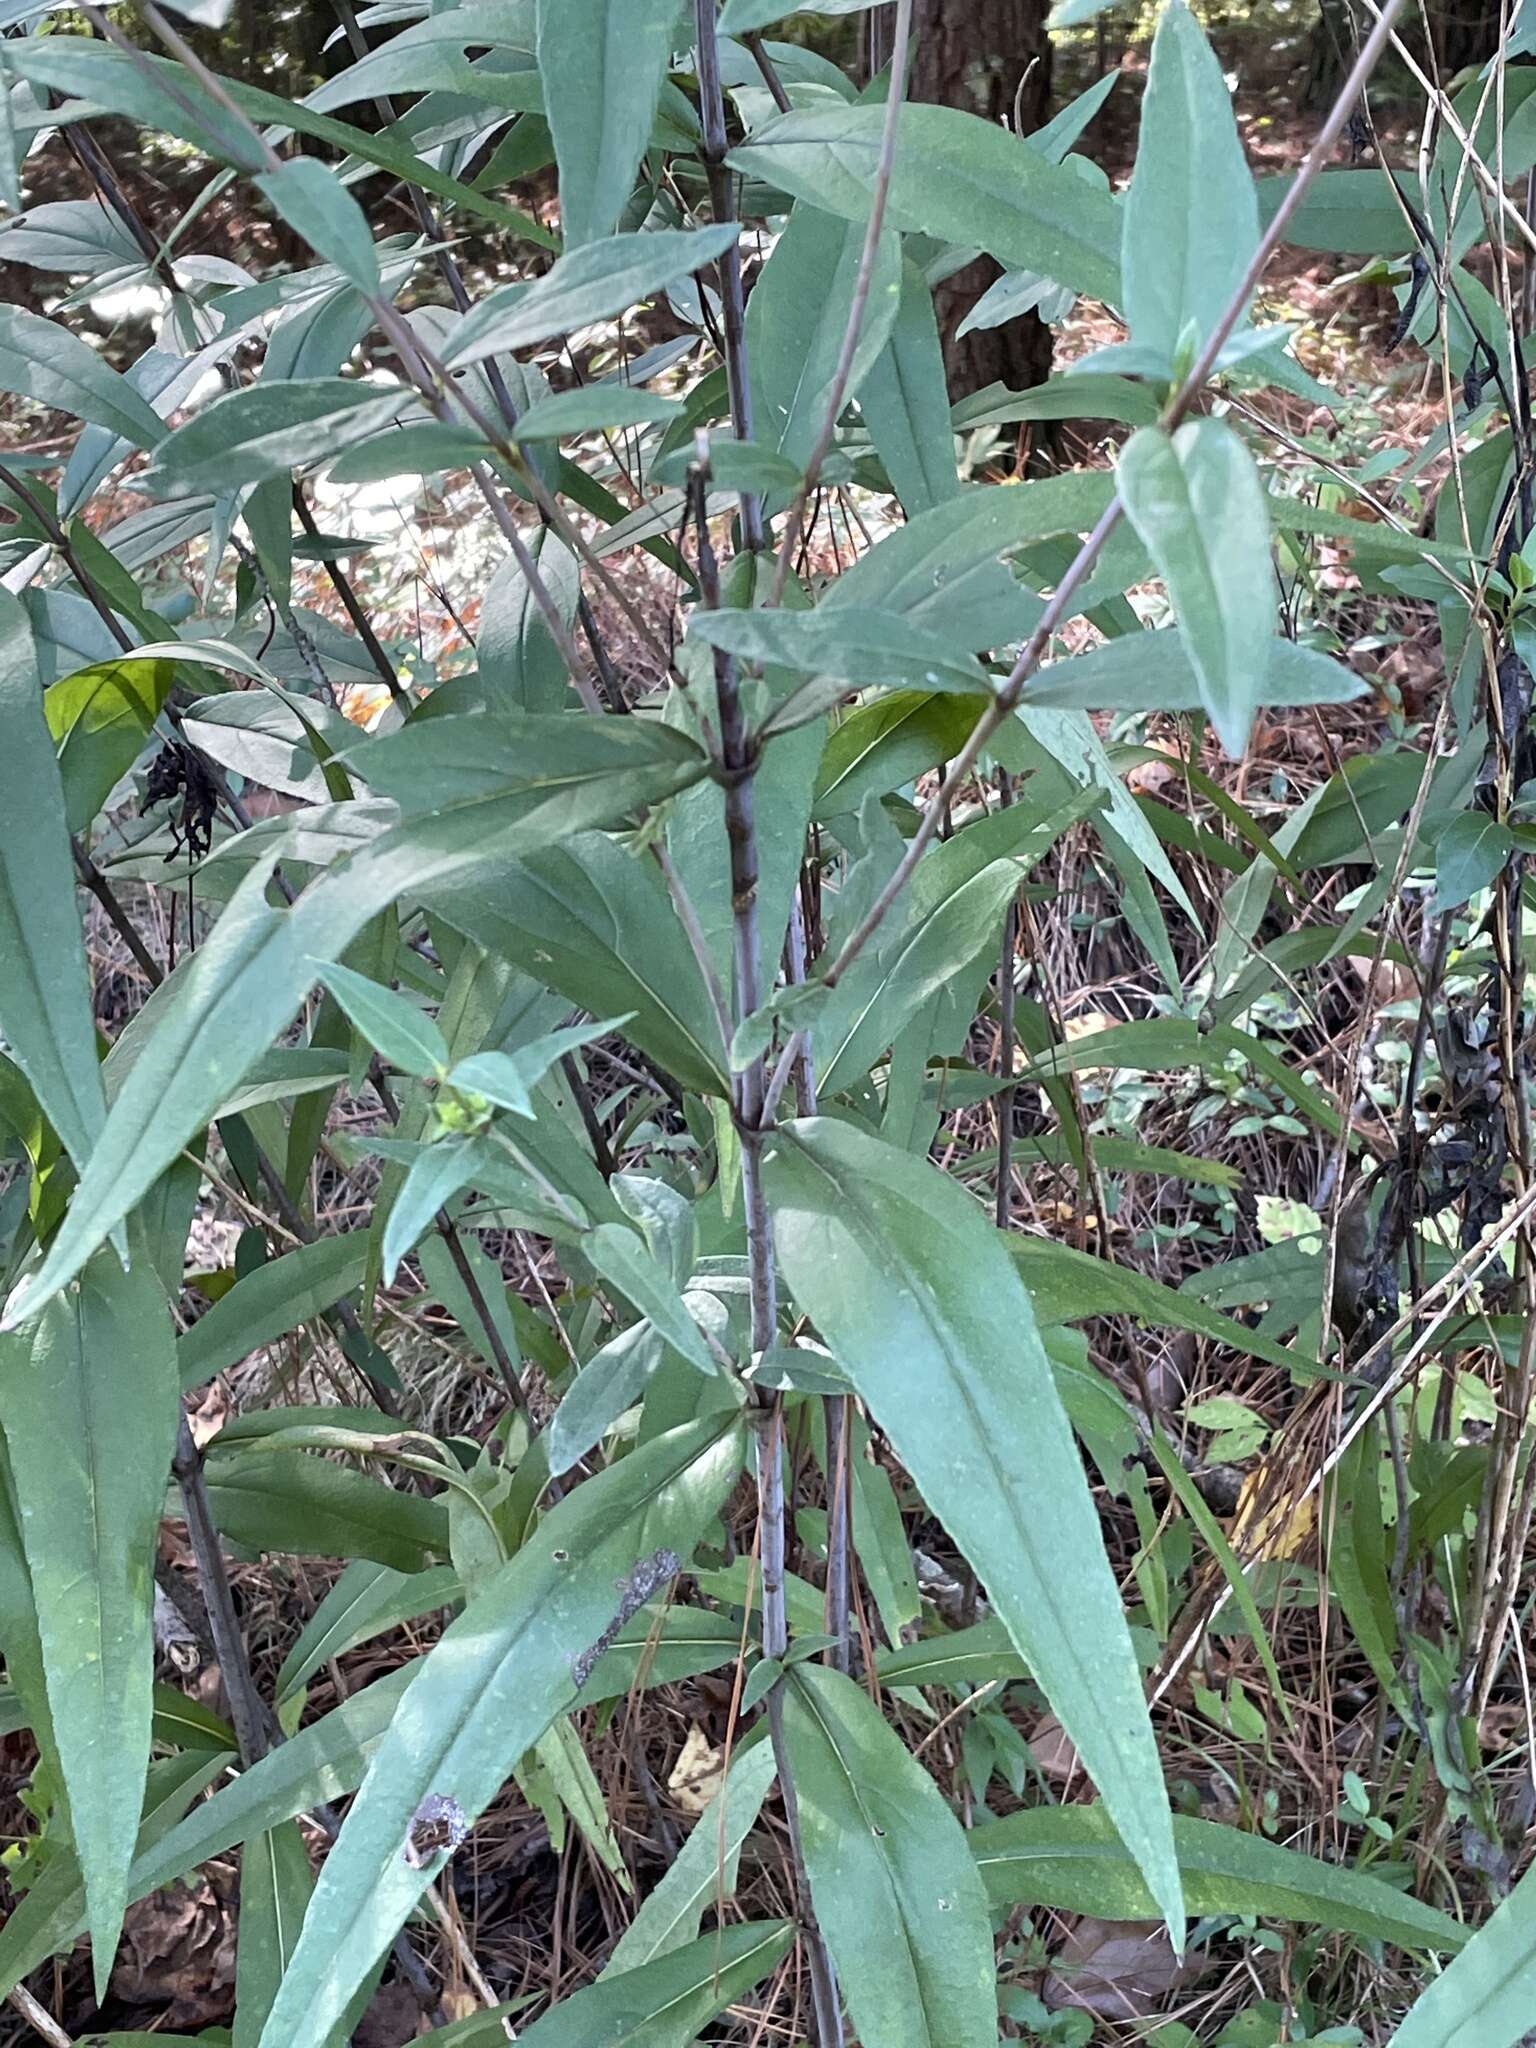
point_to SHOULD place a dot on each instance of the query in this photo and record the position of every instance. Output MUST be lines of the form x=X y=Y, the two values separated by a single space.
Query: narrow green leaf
x=924 y=1310
x=979 y=1655
x=620 y=1255
x=896 y=1891
x=268 y=430
x=905 y=402
x=493 y=1684
x=393 y=1025
x=1199 y=507
x=41 y=360
x=315 y=204
x=45 y=988
x=702 y=1871
x=945 y=568
x=269 y=1302
x=665 y=2003
x=602 y=63
x=1191 y=216
x=509 y=1078
x=272 y=1499
x=1156 y=672
x=958 y=177
x=611 y=1381
x=275 y=1886
x=415 y=448
x=324 y=1761
x=89 y=1404
x=1071 y=1857
x=594 y=407
x=593 y=283
x=797 y=319
x=864 y=648
x=367 y=1599
x=1484 y=1998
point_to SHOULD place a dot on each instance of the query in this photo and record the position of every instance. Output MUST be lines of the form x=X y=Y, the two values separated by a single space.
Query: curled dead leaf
x=1119 y=1969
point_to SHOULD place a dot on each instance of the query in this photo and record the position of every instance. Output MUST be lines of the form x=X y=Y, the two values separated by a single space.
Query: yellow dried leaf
x=1278 y=1530
x=697 y=1773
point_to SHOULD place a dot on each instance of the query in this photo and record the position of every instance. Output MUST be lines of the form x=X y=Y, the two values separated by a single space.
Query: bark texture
x=993 y=58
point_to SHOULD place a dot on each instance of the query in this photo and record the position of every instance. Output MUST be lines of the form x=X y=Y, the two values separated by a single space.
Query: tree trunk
x=992 y=57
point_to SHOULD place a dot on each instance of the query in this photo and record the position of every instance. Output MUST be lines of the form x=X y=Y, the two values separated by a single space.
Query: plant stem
x=722 y=199
x=247 y=1709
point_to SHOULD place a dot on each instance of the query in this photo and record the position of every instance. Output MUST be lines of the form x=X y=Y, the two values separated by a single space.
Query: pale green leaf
x=393 y=1025
x=317 y=206
x=665 y=2003
x=797 y=320
x=925 y=1312
x=1484 y=1999
x=1070 y=1857
x=45 y=988
x=484 y=1695
x=905 y=402
x=1191 y=217
x=88 y=1398
x=602 y=63
x=896 y=1891
x=41 y=360
x=1199 y=507
x=593 y=283
x=702 y=1871
x=269 y=1302
x=957 y=177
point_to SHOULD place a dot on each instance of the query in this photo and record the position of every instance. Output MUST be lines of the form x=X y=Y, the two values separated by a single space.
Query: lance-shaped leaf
x=1484 y=2000
x=89 y=1401
x=324 y=1761
x=267 y=430
x=848 y=643
x=315 y=203
x=516 y=1659
x=895 y=1888
x=1198 y=504
x=1191 y=216
x=602 y=63
x=702 y=1869
x=45 y=988
x=664 y=2004
x=922 y=1306
x=41 y=360
x=905 y=402
x=594 y=283
x=1070 y=1857
x=956 y=176
x=270 y=1301
x=275 y=1886
x=797 y=318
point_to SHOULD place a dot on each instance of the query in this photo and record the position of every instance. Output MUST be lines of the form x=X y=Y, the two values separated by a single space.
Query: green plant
x=778 y=879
